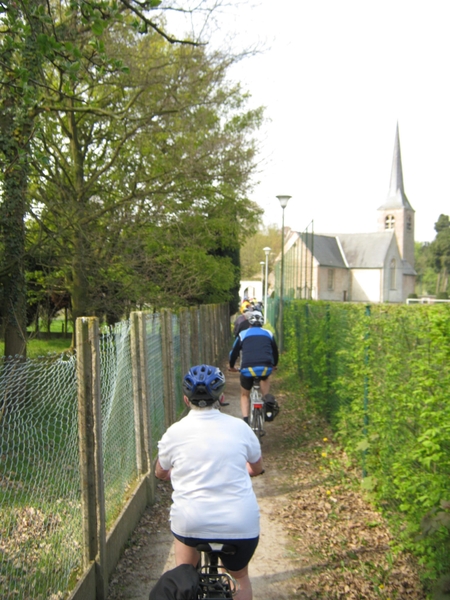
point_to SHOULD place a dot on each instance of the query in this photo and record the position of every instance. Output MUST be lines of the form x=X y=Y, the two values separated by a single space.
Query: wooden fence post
x=147 y=441
x=90 y=447
x=195 y=336
x=185 y=341
x=168 y=366
x=137 y=392
x=141 y=400
x=202 y=328
x=208 y=334
x=217 y=332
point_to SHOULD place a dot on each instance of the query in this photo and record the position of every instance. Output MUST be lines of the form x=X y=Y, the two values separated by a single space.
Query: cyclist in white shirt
x=209 y=458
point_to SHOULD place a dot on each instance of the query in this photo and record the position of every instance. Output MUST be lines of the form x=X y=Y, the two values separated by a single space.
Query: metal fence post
x=90 y=447
x=366 y=389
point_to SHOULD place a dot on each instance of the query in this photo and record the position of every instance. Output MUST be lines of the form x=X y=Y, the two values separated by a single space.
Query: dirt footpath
x=150 y=551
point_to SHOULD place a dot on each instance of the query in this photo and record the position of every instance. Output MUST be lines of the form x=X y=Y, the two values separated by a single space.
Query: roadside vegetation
x=432 y=262
x=377 y=376
x=345 y=547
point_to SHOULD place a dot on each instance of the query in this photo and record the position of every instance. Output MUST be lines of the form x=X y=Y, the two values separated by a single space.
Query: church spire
x=396 y=196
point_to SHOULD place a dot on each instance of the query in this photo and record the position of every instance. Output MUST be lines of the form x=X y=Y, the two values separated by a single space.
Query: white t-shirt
x=212 y=495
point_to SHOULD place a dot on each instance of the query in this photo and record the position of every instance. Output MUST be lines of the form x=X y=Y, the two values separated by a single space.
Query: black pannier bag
x=180 y=583
x=271 y=407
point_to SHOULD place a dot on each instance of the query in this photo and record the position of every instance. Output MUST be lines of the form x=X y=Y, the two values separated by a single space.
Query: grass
x=36 y=557
x=41 y=347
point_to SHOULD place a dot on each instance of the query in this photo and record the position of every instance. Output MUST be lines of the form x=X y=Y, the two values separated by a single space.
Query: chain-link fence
x=40 y=516
x=44 y=494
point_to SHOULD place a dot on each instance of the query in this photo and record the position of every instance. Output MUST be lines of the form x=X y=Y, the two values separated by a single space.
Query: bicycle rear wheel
x=257 y=422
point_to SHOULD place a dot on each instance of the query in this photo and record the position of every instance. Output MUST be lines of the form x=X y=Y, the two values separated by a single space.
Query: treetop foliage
x=252 y=253
x=134 y=151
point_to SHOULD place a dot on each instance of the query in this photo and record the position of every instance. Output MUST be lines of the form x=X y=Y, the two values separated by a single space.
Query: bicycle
x=257 y=409
x=215 y=582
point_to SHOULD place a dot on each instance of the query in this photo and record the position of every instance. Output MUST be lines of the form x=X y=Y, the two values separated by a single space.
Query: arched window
x=392 y=282
x=389 y=222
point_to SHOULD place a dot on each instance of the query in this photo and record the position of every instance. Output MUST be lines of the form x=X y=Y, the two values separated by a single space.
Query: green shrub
x=380 y=375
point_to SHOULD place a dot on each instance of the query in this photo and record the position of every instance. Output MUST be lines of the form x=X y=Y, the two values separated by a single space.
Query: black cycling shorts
x=233 y=562
x=247 y=382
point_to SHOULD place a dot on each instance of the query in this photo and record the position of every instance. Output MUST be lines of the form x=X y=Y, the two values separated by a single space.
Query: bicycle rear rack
x=215 y=585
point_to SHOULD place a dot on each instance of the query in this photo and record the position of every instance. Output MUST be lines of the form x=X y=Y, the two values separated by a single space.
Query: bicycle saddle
x=216 y=547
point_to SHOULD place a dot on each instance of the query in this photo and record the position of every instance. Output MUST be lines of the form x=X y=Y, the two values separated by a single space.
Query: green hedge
x=380 y=374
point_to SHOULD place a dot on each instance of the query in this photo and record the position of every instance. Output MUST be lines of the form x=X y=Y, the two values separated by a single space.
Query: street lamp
x=267 y=252
x=262 y=280
x=283 y=202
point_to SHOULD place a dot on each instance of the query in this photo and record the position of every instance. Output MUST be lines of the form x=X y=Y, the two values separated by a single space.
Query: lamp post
x=267 y=252
x=262 y=280
x=283 y=202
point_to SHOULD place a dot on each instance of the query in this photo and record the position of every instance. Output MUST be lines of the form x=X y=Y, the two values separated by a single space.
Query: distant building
x=251 y=289
x=361 y=267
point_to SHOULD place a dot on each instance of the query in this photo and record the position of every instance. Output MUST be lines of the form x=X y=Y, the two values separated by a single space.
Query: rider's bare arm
x=161 y=473
x=256 y=468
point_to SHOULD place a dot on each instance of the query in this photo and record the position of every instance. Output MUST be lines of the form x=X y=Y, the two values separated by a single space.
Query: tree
x=426 y=277
x=147 y=205
x=252 y=251
x=46 y=49
x=21 y=60
x=440 y=253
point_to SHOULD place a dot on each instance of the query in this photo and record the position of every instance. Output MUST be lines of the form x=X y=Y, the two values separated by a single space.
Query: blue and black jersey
x=259 y=348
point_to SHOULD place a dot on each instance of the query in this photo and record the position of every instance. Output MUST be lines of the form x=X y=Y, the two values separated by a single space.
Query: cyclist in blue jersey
x=259 y=357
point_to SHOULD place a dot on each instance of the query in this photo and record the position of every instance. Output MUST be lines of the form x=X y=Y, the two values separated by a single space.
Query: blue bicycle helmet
x=203 y=385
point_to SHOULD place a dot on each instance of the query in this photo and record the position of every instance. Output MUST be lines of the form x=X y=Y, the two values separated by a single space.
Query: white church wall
x=341 y=285
x=366 y=285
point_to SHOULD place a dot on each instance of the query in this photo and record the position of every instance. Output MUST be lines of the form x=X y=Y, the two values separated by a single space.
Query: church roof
x=366 y=250
x=326 y=249
x=354 y=250
x=396 y=196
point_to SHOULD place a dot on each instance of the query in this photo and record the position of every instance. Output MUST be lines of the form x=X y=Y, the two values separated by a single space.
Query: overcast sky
x=336 y=78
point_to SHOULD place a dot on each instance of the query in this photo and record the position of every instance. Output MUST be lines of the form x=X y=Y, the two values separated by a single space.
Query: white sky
x=337 y=77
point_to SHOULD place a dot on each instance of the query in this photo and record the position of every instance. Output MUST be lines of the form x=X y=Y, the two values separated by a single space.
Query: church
x=362 y=267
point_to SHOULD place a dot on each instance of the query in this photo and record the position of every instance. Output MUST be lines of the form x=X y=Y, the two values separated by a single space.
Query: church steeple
x=396 y=196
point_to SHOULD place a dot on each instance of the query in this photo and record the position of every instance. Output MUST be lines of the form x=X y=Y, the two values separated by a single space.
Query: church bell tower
x=397 y=213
